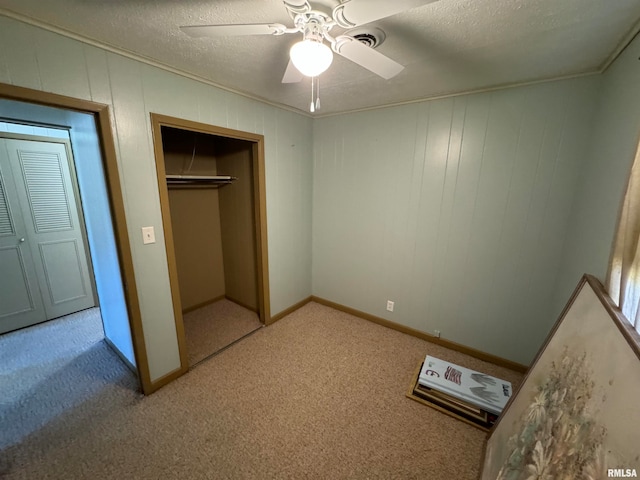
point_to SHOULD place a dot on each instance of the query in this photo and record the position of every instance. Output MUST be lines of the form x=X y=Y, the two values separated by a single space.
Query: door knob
x=21 y=240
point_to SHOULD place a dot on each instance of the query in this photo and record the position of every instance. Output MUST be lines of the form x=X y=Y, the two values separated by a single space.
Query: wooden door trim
x=102 y=115
x=157 y=122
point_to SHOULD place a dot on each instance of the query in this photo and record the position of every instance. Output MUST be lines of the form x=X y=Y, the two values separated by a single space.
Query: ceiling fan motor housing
x=314 y=30
x=313 y=24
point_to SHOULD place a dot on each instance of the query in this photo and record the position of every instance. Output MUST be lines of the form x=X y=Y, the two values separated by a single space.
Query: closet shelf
x=214 y=181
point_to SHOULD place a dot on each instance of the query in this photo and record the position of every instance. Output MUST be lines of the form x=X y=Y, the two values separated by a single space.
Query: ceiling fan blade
x=366 y=57
x=292 y=74
x=357 y=12
x=238 y=29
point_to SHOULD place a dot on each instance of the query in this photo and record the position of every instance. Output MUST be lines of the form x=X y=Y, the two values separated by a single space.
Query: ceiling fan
x=311 y=56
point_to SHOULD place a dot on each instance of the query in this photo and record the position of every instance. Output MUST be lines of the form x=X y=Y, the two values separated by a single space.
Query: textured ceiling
x=447 y=47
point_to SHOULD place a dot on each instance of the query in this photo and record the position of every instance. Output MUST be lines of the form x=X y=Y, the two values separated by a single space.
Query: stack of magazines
x=475 y=396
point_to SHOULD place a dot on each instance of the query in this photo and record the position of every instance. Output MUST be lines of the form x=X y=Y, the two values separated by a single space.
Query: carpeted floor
x=39 y=367
x=318 y=395
x=213 y=327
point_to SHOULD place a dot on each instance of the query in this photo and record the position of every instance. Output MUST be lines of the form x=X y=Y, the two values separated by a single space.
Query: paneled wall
x=35 y=58
x=456 y=209
x=475 y=214
x=606 y=172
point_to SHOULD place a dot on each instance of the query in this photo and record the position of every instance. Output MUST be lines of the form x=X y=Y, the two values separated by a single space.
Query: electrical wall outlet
x=437 y=333
x=148 y=235
x=390 y=305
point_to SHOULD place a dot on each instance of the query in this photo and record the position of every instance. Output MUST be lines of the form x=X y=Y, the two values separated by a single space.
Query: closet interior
x=211 y=192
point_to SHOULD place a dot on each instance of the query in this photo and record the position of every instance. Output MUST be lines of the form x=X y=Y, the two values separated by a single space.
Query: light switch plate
x=148 y=235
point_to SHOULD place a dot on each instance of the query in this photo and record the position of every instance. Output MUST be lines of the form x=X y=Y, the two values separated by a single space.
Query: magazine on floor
x=476 y=388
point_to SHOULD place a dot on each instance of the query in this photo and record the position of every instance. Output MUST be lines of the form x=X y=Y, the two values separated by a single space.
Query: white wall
x=33 y=130
x=456 y=209
x=610 y=156
x=35 y=58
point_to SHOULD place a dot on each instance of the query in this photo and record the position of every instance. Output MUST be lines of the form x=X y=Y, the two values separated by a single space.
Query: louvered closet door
x=53 y=231
x=20 y=299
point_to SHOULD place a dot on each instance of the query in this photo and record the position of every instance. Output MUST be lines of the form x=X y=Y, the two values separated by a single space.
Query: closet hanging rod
x=199 y=179
x=213 y=178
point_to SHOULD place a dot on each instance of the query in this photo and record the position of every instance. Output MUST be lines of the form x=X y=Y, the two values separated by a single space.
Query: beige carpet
x=213 y=327
x=318 y=395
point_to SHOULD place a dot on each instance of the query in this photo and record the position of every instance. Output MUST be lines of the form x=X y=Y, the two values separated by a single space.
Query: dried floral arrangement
x=575 y=415
x=560 y=436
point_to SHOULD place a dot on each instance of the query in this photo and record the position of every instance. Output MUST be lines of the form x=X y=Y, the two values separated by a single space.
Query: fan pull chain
x=315 y=99
x=312 y=108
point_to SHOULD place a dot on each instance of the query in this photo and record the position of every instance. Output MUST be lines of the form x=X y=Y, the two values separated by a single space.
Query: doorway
x=90 y=132
x=47 y=272
x=211 y=183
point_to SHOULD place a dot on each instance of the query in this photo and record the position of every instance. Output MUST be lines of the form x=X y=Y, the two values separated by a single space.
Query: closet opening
x=211 y=183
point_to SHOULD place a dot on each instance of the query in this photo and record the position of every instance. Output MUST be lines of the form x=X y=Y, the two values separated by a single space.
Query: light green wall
x=35 y=58
x=456 y=209
x=475 y=214
x=606 y=171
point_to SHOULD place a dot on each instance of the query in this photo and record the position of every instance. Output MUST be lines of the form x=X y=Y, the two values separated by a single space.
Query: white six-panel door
x=43 y=259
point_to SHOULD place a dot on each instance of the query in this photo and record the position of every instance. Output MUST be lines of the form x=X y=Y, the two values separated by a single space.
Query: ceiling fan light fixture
x=311 y=57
